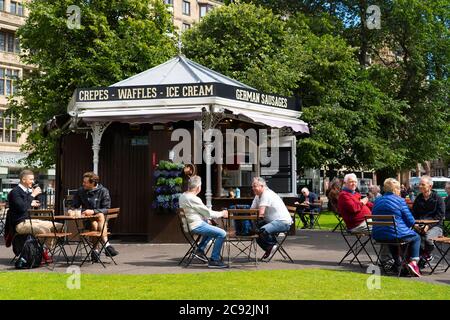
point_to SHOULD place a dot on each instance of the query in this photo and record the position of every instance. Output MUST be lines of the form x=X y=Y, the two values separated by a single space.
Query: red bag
x=8 y=239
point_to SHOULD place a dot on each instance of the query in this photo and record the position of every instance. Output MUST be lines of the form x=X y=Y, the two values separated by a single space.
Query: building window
x=186 y=8
x=3 y=37
x=9 y=42
x=16 y=45
x=8 y=79
x=185 y=26
x=13 y=7
x=204 y=10
x=8 y=128
x=20 y=9
x=169 y=2
x=2 y=5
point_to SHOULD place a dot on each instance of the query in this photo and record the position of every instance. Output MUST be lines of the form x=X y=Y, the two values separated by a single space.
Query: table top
x=302 y=204
x=74 y=218
x=426 y=221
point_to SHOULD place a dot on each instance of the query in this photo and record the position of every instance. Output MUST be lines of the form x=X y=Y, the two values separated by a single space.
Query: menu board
x=279 y=179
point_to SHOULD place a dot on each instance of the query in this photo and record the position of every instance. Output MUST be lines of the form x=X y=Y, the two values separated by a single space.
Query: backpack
x=30 y=255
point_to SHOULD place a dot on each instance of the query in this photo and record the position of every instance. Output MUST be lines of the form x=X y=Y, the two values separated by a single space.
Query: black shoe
x=95 y=257
x=311 y=226
x=305 y=227
x=217 y=264
x=199 y=254
x=110 y=251
x=422 y=263
x=266 y=255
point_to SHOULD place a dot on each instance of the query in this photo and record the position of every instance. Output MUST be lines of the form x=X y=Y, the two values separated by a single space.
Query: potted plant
x=168 y=186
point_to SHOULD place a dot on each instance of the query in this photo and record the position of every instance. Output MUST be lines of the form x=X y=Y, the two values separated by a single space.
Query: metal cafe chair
x=340 y=221
x=312 y=214
x=244 y=243
x=439 y=243
x=402 y=245
x=58 y=237
x=93 y=238
x=356 y=242
x=3 y=211
x=192 y=239
x=281 y=237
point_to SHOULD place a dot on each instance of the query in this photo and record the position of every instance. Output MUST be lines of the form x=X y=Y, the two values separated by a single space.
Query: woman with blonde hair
x=392 y=204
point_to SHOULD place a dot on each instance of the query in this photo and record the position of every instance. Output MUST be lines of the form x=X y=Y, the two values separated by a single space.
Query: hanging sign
x=175 y=91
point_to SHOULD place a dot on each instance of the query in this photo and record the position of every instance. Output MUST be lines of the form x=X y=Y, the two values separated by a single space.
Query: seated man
x=20 y=200
x=352 y=207
x=374 y=193
x=306 y=203
x=276 y=216
x=95 y=201
x=197 y=215
x=428 y=205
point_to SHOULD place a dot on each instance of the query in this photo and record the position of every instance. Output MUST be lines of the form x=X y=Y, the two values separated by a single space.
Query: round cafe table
x=425 y=221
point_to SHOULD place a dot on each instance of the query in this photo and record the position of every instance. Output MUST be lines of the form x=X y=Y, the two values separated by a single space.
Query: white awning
x=157 y=115
x=275 y=121
x=178 y=90
x=164 y=115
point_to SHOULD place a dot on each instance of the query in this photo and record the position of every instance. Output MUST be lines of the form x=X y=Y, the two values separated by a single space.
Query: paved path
x=308 y=249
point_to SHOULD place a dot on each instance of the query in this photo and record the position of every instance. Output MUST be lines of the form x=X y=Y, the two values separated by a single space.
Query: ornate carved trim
x=98 y=128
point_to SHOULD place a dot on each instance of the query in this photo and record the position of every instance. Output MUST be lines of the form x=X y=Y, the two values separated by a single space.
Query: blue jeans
x=210 y=232
x=414 y=247
x=266 y=237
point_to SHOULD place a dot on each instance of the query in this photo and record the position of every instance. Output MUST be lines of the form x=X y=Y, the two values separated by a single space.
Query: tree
x=410 y=54
x=354 y=123
x=240 y=40
x=116 y=40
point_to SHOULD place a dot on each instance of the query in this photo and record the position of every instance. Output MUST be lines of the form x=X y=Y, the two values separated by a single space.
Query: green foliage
x=387 y=116
x=168 y=165
x=116 y=40
x=353 y=122
x=242 y=42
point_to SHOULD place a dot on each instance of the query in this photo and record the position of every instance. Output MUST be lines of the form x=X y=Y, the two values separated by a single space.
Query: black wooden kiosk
x=122 y=131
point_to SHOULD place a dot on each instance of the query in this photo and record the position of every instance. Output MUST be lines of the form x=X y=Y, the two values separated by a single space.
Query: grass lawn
x=327 y=221
x=228 y=285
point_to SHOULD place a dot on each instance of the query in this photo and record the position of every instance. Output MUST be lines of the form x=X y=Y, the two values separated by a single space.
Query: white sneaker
x=272 y=251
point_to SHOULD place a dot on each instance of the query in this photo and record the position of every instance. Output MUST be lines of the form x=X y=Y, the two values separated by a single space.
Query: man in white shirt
x=197 y=215
x=276 y=216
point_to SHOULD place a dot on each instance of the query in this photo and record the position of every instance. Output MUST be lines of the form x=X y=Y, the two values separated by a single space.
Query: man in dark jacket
x=20 y=200
x=428 y=206
x=95 y=201
x=305 y=206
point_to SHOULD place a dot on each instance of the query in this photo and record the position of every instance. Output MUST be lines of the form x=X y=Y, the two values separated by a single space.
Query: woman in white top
x=197 y=215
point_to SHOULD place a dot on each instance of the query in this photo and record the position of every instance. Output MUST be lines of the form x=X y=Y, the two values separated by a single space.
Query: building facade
x=12 y=16
x=188 y=12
